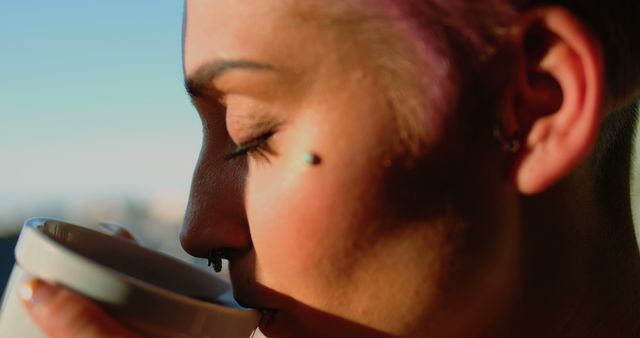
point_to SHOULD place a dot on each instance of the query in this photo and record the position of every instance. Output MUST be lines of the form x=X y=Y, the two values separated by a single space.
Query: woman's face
x=334 y=246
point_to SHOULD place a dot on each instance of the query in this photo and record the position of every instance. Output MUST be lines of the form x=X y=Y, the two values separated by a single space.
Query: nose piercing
x=215 y=259
x=312 y=158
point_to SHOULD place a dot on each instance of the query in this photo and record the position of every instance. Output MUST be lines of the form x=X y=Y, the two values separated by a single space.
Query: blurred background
x=94 y=120
x=95 y=124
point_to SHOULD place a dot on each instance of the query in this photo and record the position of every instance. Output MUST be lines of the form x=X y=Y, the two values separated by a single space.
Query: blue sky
x=91 y=102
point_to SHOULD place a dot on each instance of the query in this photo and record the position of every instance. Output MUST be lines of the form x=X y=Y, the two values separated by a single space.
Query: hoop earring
x=215 y=259
x=510 y=144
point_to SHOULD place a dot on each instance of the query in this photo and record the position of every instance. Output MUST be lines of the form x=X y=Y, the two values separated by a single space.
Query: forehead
x=272 y=30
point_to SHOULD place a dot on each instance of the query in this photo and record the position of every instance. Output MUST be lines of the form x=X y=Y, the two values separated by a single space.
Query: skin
x=452 y=238
x=335 y=224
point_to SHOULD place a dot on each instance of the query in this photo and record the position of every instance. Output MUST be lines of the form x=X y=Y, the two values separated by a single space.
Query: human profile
x=413 y=168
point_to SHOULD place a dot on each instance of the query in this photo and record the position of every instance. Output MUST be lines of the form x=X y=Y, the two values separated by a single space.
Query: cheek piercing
x=215 y=259
x=312 y=158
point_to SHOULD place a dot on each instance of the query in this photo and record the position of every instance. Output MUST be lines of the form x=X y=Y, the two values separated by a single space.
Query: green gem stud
x=312 y=159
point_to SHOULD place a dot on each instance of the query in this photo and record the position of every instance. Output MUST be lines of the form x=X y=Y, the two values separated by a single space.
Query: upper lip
x=246 y=291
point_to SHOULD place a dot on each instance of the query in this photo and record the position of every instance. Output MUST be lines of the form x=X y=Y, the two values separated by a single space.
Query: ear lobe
x=558 y=97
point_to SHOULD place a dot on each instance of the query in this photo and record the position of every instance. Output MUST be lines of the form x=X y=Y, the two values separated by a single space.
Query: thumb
x=62 y=313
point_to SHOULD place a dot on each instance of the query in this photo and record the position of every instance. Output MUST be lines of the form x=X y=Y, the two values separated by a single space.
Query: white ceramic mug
x=155 y=294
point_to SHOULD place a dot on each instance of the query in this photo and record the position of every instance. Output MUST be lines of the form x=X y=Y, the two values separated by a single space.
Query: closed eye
x=258 y=146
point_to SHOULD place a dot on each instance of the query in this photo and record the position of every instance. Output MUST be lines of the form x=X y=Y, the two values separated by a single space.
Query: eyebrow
x=197 y=83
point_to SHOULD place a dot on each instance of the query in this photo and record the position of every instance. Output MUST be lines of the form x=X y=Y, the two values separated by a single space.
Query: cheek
x=309 y=224
x=292 y=209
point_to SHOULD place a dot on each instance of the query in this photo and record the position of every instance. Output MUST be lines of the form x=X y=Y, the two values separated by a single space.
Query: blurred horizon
x=94 y=120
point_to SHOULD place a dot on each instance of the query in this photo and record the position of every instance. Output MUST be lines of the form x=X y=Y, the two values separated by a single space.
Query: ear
x=556 y=101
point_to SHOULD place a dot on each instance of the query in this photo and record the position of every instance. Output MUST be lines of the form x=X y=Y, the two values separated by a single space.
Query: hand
x=61 y=313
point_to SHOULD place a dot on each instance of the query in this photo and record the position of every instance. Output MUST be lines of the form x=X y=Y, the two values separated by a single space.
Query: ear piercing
x=509 y=144
x=215 y=259
x=312 y=158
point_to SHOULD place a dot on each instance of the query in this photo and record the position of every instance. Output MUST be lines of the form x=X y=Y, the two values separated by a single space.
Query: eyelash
x=257 y=146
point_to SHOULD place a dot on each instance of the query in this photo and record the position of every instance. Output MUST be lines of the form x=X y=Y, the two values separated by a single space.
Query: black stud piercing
x=215 y=259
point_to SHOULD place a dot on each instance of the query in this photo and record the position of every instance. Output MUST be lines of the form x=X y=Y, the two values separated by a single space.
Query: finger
x=62 y=313
x=121 y=232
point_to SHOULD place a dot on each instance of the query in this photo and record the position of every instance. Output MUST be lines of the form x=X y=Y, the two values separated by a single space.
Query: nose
x=215 y=216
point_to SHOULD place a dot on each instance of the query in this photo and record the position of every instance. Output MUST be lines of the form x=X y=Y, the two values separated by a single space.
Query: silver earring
x=509 y=144
x=215 y=259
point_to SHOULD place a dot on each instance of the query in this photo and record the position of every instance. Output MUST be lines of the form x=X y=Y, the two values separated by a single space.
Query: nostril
x=215 y=217
x=199 y=238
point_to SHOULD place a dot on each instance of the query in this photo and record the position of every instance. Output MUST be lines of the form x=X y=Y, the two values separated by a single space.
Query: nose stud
x=215 y=259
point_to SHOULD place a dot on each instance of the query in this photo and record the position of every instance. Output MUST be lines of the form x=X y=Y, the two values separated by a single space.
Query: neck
x=581 y=273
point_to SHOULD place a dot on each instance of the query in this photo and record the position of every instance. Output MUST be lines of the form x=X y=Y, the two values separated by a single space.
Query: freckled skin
x=334 y=239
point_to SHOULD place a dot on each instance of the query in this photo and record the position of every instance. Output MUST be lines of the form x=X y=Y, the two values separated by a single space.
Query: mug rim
x=120 y=284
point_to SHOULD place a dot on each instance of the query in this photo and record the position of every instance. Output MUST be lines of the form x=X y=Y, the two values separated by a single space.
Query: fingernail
x=37 y=292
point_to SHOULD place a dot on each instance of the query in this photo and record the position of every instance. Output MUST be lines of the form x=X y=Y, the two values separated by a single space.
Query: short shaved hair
x=454 y=41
